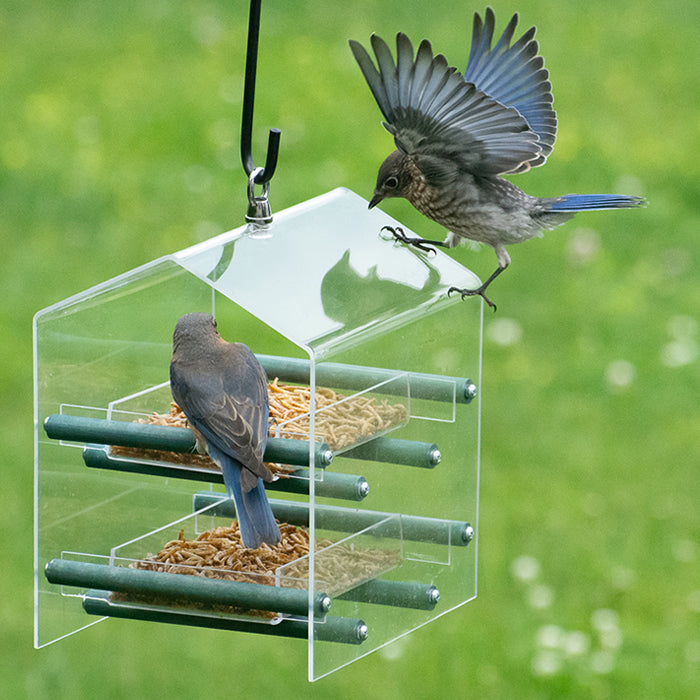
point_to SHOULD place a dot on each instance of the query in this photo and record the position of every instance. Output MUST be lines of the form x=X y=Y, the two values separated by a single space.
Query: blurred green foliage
x=120 y=144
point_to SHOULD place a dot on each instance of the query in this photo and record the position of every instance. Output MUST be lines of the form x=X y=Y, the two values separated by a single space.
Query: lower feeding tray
x=209 y=573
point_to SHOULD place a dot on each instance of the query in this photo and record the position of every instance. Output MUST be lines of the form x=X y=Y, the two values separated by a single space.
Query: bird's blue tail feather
x=255 y=517
x=591 y=202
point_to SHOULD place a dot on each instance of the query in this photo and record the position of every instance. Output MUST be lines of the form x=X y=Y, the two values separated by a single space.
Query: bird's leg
x=420 y=243
x=200 y=442
x=480 y=290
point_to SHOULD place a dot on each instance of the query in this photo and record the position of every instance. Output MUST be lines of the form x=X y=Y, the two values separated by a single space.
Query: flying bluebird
x=222 y=390
x=457 y=134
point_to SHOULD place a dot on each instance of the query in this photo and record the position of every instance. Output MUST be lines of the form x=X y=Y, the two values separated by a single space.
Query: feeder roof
x=322 y=275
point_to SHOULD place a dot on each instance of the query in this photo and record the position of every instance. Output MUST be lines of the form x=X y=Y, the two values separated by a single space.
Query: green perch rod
x=340 y=376
x=331 y=629
x=408 y=527
x=334 y=485
x=162 y=437
x=420 y=596
x=279 y=450
x=257 y=596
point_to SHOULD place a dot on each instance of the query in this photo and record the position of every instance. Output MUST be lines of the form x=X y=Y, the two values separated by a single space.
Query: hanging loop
x=264 y=174
x=259 y=211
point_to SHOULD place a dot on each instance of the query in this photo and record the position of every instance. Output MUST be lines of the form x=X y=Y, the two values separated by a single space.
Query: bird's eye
x=391 y=182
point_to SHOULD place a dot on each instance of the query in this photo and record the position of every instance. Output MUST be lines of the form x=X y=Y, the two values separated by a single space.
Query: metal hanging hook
x=265 y=174
x=259 y=211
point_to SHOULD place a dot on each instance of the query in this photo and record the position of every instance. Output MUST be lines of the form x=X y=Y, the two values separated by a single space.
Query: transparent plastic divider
x=355 y=418
x=443 y=411
x=145 y=401
x=134 y=548
x=68 y=409
x=344 y=564
x=82 y=557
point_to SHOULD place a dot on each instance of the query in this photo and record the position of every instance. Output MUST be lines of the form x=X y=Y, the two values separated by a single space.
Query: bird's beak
x=375 y=200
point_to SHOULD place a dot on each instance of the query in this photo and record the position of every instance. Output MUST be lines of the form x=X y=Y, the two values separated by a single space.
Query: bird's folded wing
x=235 y=426
x=233 y=431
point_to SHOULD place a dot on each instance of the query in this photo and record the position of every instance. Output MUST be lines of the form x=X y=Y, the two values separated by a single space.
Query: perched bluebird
x=457 y=134
x=222 y=389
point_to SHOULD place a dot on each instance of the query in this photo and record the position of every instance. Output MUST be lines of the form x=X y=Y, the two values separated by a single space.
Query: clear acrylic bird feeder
x=381 y=466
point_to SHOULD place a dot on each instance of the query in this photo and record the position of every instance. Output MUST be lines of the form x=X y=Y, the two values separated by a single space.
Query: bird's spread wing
x=515 y=76
x=435 y=115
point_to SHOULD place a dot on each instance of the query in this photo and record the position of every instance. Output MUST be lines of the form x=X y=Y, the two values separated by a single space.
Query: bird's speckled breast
x=469 y=209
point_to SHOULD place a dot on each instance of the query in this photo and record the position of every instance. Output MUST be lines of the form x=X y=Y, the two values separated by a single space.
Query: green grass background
x=119 y=144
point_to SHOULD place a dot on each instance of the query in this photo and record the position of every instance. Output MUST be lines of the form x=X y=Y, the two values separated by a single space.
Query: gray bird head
x=393 y=179
x=194 y=328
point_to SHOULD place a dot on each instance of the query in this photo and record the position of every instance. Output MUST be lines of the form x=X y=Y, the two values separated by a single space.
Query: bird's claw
x=480 y=291
x=399 y=236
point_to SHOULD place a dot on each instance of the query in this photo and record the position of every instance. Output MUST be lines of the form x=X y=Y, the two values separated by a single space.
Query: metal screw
x=363 y=489
x=433 y=595
x=362 y=631
x=435 y=456
x=325 y=603
x=468 y=533
x=326 y=457
x=470 y=390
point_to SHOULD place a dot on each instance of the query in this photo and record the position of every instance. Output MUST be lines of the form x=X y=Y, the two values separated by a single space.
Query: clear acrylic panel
x=384 y=467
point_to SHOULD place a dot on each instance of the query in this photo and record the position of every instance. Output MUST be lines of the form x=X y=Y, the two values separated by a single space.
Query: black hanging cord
x=273 y=142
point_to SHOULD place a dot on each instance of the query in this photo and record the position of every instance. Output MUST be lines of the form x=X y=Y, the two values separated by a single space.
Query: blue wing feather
x=514 y=76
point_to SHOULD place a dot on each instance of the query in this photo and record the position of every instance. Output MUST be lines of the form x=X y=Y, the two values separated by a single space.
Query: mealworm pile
x=340 y=421
x=219 y=553
x=343 y=566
